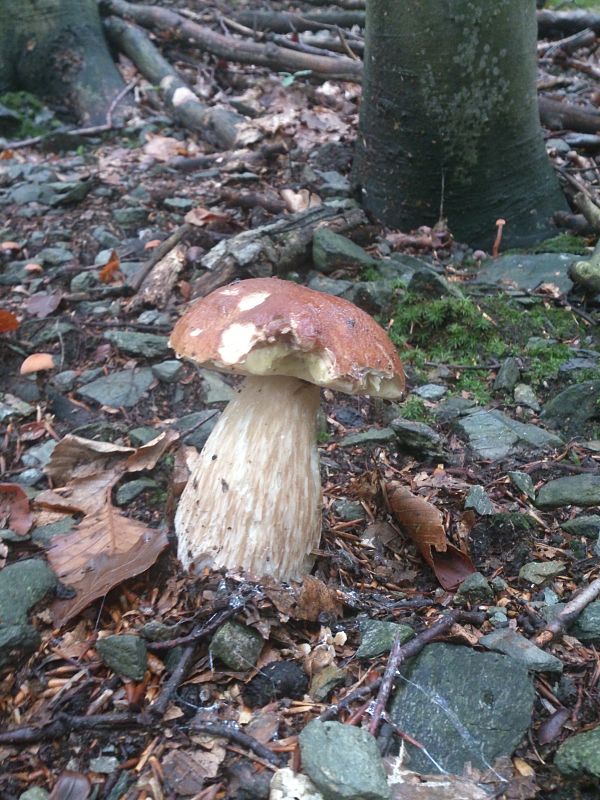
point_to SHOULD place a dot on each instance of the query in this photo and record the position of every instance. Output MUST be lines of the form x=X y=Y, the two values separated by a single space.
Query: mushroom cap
x=268 y=326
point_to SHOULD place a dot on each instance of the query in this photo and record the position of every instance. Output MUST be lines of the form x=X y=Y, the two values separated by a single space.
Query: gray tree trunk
x=56 y=49
x=449 y=121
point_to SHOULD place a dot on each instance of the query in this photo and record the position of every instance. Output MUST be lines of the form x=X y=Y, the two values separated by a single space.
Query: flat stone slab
x=515 y=646
x=528 y=271
x=493 y=435
x=121 y=388
x=578 y=490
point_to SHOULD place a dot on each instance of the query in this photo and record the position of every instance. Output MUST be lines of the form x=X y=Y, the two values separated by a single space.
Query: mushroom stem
x=253 y=500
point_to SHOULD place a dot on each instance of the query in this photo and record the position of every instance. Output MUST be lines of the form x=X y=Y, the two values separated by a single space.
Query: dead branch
x=227 y=730
x=226 y=47
x=565 y=23
x=218 y=125
x=286 y=22
x=349 y=5
x=161 y=251
x=568 y=614
x=566 y=116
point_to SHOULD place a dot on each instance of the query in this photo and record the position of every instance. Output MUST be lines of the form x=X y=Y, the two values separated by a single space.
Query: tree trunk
x=449 y=122
x=56 y=49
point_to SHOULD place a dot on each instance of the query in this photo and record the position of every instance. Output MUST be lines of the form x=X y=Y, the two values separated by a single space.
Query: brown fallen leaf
x=71 y=786
x=8 y=321
x=107 y=547
x=204 y=216
x=314 y=598
x=43 y=304
x=109 y=271
x=14 y=509
x=423 y=523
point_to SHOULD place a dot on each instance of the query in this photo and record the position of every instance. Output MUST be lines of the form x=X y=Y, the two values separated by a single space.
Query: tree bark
x=56 y=49
x=449 y=122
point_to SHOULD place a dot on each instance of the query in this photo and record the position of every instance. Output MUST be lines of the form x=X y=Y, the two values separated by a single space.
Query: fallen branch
x=161 y=251
x=286 y=22
x=556 y=115
x=565 y=23
x=568 y=614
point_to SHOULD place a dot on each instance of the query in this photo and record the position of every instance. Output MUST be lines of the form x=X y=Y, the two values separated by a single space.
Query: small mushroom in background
x=37 y=362
x=253 y=499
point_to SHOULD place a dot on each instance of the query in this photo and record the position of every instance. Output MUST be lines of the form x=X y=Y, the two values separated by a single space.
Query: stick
x=568 y=614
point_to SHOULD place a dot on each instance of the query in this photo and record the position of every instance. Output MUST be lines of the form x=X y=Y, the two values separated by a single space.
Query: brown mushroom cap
x=268 y=326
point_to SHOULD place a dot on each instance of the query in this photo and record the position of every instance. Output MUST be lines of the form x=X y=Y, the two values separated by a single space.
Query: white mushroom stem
x=253 y=500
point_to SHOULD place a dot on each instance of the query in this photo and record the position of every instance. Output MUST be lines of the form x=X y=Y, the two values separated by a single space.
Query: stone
x=139 y=344
x=456 y=726
x=430 y=391
x=508 y=375
x=215 y=389
x=474 y=590
x=11 y=406
x=178 y=203
x=478 y=500
x=142 y=435
x=586 y=627
x=287 y=784
x=130 y=490
x=431 y=284
x=321 y=283
x=580 y=755
x=333 y=183
x=105 y=765
x=577 y=490
x=35 y=793
x=54 y=256
x=374 y=297
x=492 y=435
x=343 y=762
x=583 y=525
x=418 y=438
x=499 y=620
x=29 y=477
x=274 y=681
x=83 y=282
x=121 y=388
x=377 y=637
x=372 y=436
x=130 y=217
x=453 y=408
x=168 y=371
x=22 y=586
x=572 y=408
x=17 y=641
x=539 y=572
x=63 y=193
x=523 y=483
x=331 y=251
x=64 y=381
x=39 y=454
x=324 y=682
x=199 y=424
x=527 y=271
x=521 y=649
x=348 y=509
x=43 y=534
x=125 y=654
x=525 y=396
x=237 y=646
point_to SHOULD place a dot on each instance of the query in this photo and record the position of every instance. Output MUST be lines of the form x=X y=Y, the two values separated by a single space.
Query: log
x=565 y=23
x=286 y=22
x=556 y=115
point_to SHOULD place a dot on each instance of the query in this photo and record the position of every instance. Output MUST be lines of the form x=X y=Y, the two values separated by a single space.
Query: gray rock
x=453 y=408
x=525 y=396
x=521 y=649
x=580 y=755
x=583 y=525
x=430 y=391
x=343 y=762
x=431 y=284
x=331 y=251
x=64 y=381
x=538 y=572
x=458 y=726
x=499 y=620
x=11 y=406
x=377 y=637
x=493 y=435
x=64 y=193
x=139 y=344
x=577 y=490
x=89 y=375
x=35 y=793
x=348 y=509
x=237 y=646
x=16 y=642
x=168 y=371
x=125 y=654
x=39 y=454
x=418 y=438
x=199 y=424
x=156 y=631
x=121 y=388
x=527 y=271
x=130 y=217
x=54 y=256
x=586 y=627
x=478 y=500
x=324 y=681
x=130 y=490
x=337 y=288
x=105 y=238
x=22 y=586
x=474 y=590
x=373 y=436
x=25 y=193
x=178 y=203
x=215 y=389
x=42 y=535
x=523 y=483
x=29 y=477
x=83 y=282
x=142 y=435
x=572 y=408
x=508 y=375
x=374 y=297
x=104 y=764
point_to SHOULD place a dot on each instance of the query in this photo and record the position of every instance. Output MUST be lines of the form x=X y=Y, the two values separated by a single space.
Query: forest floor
x=123 y=677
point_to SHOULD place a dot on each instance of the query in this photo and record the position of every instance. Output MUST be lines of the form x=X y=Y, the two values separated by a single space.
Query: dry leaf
x=107 y=547
x=315 y=598
x=299 y=201
x=37 y=362
x=71 y=786
x=8 y=321
x=423 y=523
x=203 y=216
x=109 y=271
x=164 y=148
x=14 y=509
x=43 y=304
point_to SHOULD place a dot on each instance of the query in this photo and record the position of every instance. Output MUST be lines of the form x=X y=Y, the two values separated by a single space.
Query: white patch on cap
x=252 y=300
x=236 y=341
x=196 y=332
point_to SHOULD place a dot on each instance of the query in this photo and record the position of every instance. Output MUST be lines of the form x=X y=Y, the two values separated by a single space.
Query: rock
x=83 y=282
x=287 y=784
x=331 y=252
x=237 y=646
x=35 y=793
x=39 y=454
x=457 y=726
x=125 y=654
x=105 y=765
x=583 y=525
x=29 y=477
x=16 y=642
x=43 y=534
x=478 y=500
x=200 y=424
x=577 y=490
x=523 y=483
x=22 y=586
x=372 y=436
x=348 y=509
x=325 y=681
x=156 y=631
x=538 y=572
x=275 y=681
x=64 y=381
x=343 y=762
x=348 y=416
x=11 y=406
x=580 y=755
x=130 y=490
x=139 y=344
x=499 y=620
x=418 y=438
x=453 y=408
x=431 y=284
x=168 y=371
x=131 y=217
x=54 y=256
x=527 y=271
x=525 y=396
x=521 y=649
x=430 y=391
x=377 y=637
x=333 y=184
x=586 y=627
x=374 y=297
x=142 y=435
x=215 y=389
x=508 y=375
x=337 y=288
x=572 y=408
x=474 y=590
x=493 y=435
x=121 y=388
x=178 y=203
x=64 y=193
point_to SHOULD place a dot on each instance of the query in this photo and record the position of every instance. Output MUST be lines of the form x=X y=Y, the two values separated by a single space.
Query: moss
x=415 y=409
x=370 y=274
x=36 y=118
x=563 y=243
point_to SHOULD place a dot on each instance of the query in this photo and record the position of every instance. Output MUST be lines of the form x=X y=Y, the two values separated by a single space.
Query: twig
x=568 y=614
x=228 y=731
x=158 y=254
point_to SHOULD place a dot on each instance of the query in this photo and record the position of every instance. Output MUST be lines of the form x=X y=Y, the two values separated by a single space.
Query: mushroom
x=253 y=499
